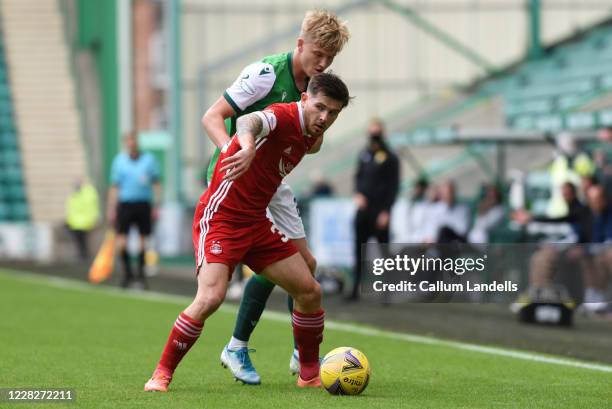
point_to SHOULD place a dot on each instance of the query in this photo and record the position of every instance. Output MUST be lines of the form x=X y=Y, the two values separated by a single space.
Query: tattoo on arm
x=250 y=123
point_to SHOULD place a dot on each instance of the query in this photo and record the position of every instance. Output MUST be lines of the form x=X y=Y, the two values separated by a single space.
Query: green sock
x=290 y=307
x=256 y=292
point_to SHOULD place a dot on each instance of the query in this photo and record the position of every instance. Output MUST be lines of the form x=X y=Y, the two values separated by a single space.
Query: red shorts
x=257 y=244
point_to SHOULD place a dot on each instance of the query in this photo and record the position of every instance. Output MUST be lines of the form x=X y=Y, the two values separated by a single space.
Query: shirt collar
x=301 y=116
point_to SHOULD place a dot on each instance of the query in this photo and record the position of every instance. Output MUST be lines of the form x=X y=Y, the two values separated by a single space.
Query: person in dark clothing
x=578 y=215
x=376 y=187
x=598 y=273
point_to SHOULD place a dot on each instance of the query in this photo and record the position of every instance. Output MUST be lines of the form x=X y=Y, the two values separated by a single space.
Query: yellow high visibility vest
x=82 y=208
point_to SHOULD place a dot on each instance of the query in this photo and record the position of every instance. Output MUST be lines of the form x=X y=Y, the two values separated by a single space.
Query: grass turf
x=105 y=344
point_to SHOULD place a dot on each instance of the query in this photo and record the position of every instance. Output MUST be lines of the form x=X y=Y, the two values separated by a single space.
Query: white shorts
x=283 y=212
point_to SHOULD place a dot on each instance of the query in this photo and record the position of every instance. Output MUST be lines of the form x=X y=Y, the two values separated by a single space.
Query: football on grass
x=345 y=371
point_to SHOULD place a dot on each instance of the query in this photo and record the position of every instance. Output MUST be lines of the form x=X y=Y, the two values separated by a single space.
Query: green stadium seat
x=5 y=212
x=13 y=174
x=19 y=212
x=10 y=158
x=13 y=203
x=16 y=192
x=8 y=140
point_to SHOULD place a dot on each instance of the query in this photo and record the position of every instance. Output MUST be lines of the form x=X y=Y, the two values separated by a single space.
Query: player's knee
x=310 y=297
x=206 y=304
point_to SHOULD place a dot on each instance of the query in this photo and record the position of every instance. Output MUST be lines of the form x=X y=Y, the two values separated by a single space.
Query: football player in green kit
x=276 y=78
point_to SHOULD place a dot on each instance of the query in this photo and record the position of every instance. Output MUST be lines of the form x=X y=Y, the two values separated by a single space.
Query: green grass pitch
x=105 y=343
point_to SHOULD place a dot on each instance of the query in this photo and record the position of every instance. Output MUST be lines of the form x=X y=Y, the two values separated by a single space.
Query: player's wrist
x=250 y=147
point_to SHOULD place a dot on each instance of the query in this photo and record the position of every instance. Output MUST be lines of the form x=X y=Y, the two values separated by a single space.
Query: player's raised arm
x=248 y=128
x=213 y=122
x=254 y=82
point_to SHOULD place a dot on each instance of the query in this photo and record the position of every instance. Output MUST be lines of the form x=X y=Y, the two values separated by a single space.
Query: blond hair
x=323 y=28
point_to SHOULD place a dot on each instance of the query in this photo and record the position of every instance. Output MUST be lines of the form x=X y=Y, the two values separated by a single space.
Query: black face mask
x=376 y=139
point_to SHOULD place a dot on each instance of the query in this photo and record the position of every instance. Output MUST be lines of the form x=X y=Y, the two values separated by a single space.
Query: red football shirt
x=281 y=146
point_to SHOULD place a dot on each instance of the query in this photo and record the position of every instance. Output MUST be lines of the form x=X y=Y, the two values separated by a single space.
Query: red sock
x=308 y=334
x=184 y=334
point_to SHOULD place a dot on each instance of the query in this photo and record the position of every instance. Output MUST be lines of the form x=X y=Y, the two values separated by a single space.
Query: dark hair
x=330 y=85
x=570 y=185
x=422 y=181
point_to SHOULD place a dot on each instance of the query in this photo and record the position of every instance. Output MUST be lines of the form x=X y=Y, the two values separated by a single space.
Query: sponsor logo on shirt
x=283 y=96
x=246 y=85
x=284 y=168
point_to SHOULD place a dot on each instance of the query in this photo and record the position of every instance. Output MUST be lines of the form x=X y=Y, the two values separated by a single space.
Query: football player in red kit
x=230 y=223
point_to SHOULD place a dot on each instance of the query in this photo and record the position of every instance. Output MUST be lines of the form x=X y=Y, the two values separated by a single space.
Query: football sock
x=256 y=292
x=127 y=267
x=184 y=334
x=308 y=333
x=141 y=265
x=235 y=344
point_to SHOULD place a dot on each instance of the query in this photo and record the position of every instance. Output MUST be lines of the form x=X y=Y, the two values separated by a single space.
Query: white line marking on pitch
x=60 y=282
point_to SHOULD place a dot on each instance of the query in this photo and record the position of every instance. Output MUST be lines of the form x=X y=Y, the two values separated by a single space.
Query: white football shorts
x=284 y=213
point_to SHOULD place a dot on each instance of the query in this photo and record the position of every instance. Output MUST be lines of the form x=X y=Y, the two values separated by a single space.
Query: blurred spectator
x=602 y=214
x=82 y=215
x=578 y=215
x=489 y=215
x=321 y=187
x=543 y=266
x=597 y=275
x=418 y=206
x=448 y=220
x=601 y=157
x=133 y=198
x=568 y=166
x=376 y=186
x=585 y=183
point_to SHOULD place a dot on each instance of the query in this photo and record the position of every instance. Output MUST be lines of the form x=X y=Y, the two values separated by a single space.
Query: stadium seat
x=10 y=158
x=13 y=204
x=19 y=212
x=5 y=212
x=13 y=175
x=16 y=192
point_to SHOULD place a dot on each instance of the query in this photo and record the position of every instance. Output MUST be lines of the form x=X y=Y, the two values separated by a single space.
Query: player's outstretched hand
x=238 y=163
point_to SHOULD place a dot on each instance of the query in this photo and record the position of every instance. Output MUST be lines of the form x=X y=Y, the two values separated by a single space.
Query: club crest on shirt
x=215 y=248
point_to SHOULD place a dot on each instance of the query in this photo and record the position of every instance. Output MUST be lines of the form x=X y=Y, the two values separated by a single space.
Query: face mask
x=376 y=141
x=376 y=138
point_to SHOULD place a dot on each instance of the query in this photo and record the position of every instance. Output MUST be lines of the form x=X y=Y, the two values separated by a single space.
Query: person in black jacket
x=376 y=186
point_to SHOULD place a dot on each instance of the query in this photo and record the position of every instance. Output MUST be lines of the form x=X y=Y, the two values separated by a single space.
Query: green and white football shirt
x=260 y=84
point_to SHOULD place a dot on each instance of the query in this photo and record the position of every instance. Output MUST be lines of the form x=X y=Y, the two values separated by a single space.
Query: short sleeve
x=254 y=82
x=268 y=119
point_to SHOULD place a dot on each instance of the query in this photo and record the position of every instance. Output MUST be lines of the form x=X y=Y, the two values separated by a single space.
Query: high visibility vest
x=82 y=208
x=561 y=172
